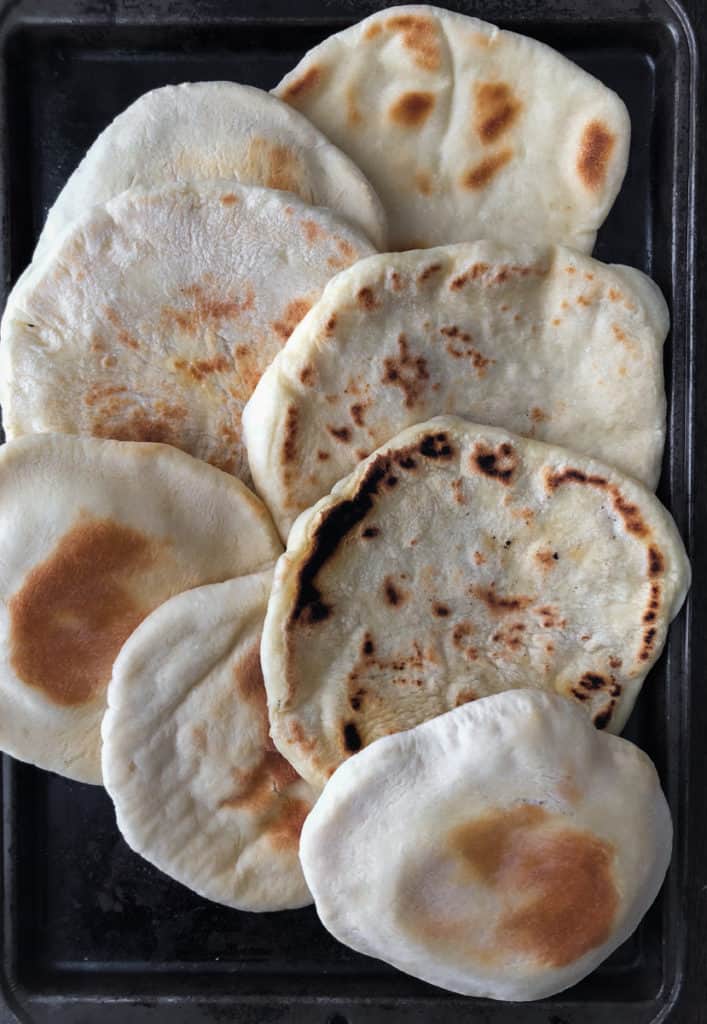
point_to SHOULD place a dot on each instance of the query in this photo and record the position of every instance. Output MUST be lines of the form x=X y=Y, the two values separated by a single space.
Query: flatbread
x=203 y=130
x=152 y=317
x=502 y=850
x=540 y=340
x=198 y=787
x=466 y=131
x=94 y=536
x=456 y=562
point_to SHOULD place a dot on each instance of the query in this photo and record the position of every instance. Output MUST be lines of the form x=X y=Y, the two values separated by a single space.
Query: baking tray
x=89 y=931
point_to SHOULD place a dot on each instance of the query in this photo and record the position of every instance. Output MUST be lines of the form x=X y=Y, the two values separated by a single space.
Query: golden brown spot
x=340 y=433
x=479 y=558
x=353 y=114
x=423 y=182
x=412 y=109
x=199 y=738
x=323 y=456
x=123 y=336
x=330 y=325
x=472 y=274
x=198 y=369
x=373 y=30
x=479 y=176
x=366 y=299
x=284 y=831
x=294 y=312
x=249 y=683
x=656 y=562
x=357 y=414
x=428 y=271
x=440 y=610
x=420 y=37
x=229 y=199
x=538 y=415
x=554 y=480
x=496 y=110
x=406 y=372
x=458 y=491
x=498 y=605
x=464 y=697
x=312 y=79
x=289 y=444
x=556 y=321
x=595 y=148
x=498 y=463
x=393 y=595
x=312 y=231
x=205 y=312
x=615 y=295
x=556 y=881
x=257 y=788
x=546 y=558
x=307 y=375
x=75 y=610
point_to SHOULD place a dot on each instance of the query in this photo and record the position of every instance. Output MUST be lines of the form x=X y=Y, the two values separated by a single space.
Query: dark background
x=92 y=933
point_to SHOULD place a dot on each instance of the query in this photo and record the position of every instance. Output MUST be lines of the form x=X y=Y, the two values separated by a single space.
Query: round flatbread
x=204 y=130
x=152 y=317
x=198 y=787
x=466 y=131
x=456 y=562
x=95 y=535
x=540 y=340
x=502 y=850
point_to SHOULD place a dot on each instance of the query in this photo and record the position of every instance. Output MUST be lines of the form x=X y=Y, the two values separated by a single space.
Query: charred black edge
x=335 y=524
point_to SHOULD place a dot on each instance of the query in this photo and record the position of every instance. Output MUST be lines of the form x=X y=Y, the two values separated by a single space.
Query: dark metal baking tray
x=91 y=933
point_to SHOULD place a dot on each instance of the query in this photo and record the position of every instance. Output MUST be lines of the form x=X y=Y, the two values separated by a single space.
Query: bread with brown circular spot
x=97 y=535
x=502 y=850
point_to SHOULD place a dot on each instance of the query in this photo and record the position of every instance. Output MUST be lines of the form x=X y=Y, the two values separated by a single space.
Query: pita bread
x=154 y=316
x=95 y=535
x=203 y=130
x=456 y=562
x=199 y=789
x=502 y=850
x=542 y=341
x=466 y=131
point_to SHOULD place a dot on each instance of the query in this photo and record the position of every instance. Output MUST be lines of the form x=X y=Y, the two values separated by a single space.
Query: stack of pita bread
x=358 y=317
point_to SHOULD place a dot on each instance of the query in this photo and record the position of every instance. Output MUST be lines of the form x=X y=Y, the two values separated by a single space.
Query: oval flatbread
x=203 y=130
x=95 y=535
x=456 y=562
x=198 y=787
x=467 y=131
x=502 y=850
x=540 y=340
x=152 y=317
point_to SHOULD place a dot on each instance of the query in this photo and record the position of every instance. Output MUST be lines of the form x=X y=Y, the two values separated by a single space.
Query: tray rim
x=688 y=988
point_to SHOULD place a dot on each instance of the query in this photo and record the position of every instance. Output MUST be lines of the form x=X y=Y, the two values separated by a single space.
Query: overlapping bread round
x=502 y=850
x=537 y=339
x=152 y=317
x=455 y=562
x=466 y=131
x=198 y=787
x=199 y=131
x=95 y=535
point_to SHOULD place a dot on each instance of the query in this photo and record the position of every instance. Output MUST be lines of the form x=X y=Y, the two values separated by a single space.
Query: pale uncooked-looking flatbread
x=467 y=131
x=94 y=535
x=458 y=561
x=540 y=340
x=204 y=130
x=152 y=317
x=198 y=787
x=502 y=850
